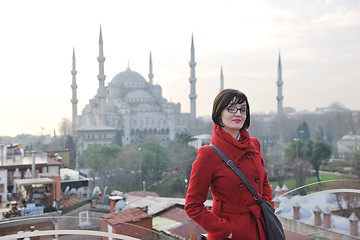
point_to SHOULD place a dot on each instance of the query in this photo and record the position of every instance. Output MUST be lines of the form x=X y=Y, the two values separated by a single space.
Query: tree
x=356 y=163
x=319 y=134
x=321 y=151
x=182 y=155
x=316 y=152
x=64 y=126
x=155 y=161
x=295 y=157
x=101 y=160
x=294 y=151
x=303 y=132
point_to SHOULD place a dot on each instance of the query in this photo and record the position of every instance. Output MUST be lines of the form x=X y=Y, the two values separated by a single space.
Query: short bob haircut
x=226 y=98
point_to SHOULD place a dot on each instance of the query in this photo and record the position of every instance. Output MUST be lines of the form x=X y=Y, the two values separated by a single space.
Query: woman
x=234 y=214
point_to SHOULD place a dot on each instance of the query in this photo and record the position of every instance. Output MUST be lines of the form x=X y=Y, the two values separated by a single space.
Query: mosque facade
x=129 y=109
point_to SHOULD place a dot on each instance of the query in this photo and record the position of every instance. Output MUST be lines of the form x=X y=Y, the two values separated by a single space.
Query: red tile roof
x=126 y=216
x=69 y=201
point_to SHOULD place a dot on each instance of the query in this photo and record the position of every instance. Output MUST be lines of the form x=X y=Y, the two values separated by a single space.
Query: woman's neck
x=235 y=134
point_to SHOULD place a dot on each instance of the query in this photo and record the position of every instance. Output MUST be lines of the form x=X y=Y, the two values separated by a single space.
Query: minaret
x=279 y=85
x=192 y=80
x=151 y=75
x=74 y=100
x=221 y=79
x=101 y=93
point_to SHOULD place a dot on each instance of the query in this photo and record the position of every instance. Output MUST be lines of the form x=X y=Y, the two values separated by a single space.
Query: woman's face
x=233 y=118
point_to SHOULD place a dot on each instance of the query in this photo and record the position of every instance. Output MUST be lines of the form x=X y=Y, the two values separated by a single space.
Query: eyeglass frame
x=245 y=110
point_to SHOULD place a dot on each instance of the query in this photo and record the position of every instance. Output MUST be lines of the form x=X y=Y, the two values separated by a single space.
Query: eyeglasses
x=243 y=111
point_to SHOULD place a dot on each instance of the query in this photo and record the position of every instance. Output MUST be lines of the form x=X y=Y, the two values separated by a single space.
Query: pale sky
x=319 y=42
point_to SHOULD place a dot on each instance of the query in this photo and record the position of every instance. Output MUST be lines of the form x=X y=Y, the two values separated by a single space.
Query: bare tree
x=64 y=126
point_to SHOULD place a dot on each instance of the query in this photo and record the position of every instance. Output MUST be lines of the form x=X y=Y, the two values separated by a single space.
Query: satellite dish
x=81 y=192
x=67 y=189
x=96 y=191
x=119 y=205
x=72 y=191
x=116 y=193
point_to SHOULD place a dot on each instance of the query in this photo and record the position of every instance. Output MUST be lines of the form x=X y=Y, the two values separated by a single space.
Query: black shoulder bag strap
x=232 y=165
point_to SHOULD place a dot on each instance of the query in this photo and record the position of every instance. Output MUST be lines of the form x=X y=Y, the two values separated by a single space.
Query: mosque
x=130 y=108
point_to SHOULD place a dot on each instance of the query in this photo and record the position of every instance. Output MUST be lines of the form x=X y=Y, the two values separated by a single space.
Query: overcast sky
x=319 y=42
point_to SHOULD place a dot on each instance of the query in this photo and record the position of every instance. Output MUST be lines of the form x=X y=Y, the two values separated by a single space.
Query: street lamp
x=296 y=141
x=140 y=172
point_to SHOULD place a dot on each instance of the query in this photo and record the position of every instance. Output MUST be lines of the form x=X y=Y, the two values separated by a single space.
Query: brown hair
x=226 y=98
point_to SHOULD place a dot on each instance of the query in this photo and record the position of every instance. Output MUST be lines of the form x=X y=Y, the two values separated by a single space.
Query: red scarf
x=242 y=143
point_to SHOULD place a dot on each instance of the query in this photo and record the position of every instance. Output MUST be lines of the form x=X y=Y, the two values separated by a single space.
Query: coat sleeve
x=200 y=180
x=267 y=191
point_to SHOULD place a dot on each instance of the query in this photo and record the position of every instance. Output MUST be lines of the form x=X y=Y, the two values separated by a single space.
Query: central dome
x=128 y=76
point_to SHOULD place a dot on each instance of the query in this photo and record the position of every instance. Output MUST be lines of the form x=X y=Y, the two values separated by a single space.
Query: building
x=348 y=144
x=134 y=222
x=130 y=108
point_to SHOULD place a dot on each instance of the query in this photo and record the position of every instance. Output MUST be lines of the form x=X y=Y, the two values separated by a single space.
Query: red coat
x=234 y=209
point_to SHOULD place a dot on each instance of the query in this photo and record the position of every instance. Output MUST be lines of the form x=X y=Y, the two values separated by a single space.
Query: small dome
x=138 y=96
x=128 y=76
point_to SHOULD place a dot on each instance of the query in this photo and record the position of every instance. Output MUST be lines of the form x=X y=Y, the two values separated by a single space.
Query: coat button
x=241 y=184
x=249 y=155
x=257 y=179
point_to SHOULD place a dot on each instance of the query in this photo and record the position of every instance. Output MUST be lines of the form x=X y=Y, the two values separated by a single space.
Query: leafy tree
x=356 y=163
x=155 y=160
x=319 y=134
x=303 y=132
x=101 y=160
x=182 y=155
x=316 y=152
x=294 y=151
x=320 y=153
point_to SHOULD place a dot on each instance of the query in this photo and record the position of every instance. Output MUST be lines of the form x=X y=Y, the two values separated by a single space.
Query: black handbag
x=274 y=229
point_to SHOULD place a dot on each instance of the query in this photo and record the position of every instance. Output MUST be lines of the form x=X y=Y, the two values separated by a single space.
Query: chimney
x=113 y=201
x=17 y=173
x=327 y=218
x=284 y=189
x=296 y=210
x=28 y=173
x=354 y=220
x=317 y=216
